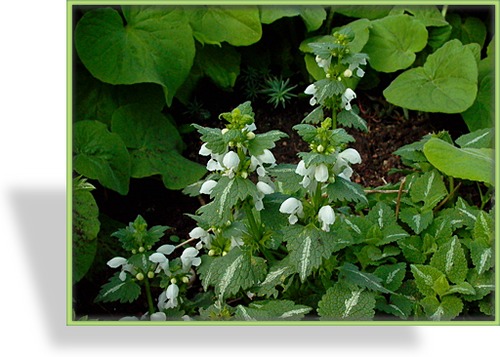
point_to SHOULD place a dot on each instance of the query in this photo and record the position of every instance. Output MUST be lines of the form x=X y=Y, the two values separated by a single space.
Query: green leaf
x=468 y=164
x=361 y=30
x=277 y=275
x=344 y=303
x=271 y=310
x=445 y=310
x=349 y=118
x=418 y=221
x=429 y=189
x=234 y=271
x=393 y=42
x=115 y=289
x=446 y=83
x=313 y=16
x=221 y=64
x=155 y=146
x=462 y=288
x=426 y=277
x=391 y=275
x=468 y=30
x=150 y=44
x=450 y=259
x=237 y=25
x=95 y=100
x=351 y=275
x=412 y=249
x=136 y=234
x=384 y=219
x=86 y=227
x=228 y=192
x=482 y=112
x=308 y=246
x=483 y=228
x=345 y=190
x=370 y=12
x=267 y=140
x=101 y=155
x=286 y=177
x=483 y=284
x=429 y=15
x=482 y=138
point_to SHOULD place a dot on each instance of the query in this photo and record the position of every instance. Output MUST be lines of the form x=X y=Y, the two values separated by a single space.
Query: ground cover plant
x=225 y=172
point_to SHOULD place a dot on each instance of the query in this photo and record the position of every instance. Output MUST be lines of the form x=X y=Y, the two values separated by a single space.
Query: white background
x=33 y=233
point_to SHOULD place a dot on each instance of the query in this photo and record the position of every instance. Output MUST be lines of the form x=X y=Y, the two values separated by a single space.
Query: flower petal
x=350 y=155
x=166 y=249
x=208 y=186
x=321 y=173
x=117 y=262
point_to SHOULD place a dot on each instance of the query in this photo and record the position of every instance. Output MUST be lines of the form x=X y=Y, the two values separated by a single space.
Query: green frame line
x=69 y=163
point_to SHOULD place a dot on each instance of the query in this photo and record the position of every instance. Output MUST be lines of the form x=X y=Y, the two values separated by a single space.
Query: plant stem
x=444 y=10
x=256 y=231
x=400 y=192
x=148 y=296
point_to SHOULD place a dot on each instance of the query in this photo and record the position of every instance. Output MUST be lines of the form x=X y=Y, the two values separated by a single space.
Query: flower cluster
x=341 y=66
x=236 y=151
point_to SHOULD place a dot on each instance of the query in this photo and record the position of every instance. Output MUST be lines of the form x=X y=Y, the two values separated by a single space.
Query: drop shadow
x=41 y=217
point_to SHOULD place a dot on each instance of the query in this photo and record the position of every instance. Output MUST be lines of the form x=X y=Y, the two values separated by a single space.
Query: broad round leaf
x=447 y=82
x=239 y=26
x=155 y=146
x=154 y=44
x=468 y=164
x=101 y=155
x=393 y=42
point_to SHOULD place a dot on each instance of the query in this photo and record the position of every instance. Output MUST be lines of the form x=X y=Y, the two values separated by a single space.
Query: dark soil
x=388 y=131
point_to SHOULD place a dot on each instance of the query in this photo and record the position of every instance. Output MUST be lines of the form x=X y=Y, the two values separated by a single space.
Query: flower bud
x=185 y=279
x=211 y=252
x=141 y=249
x=225 y=130
x=320 y=148
x=250 y=135
x=244 y=174
x=347 y=73
x=173 y=281
x=139 y=276
x=134 y=251
x=224 y=253
x=151 y=274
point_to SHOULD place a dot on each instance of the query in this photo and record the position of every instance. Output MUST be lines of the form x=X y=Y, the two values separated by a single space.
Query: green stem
x=151 y=306
x=256 y=232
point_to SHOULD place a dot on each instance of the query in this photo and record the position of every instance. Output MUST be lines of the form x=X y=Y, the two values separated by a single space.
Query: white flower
x=311 y=89
x=307 y=173
x=117 y=262
x=189 y=258
x=257 y=162
x=347 y=97
x=348 y=73
x=160 y=258
x=355 y=66
x=293 y=207
x=204 y=236
x=168 y=298
x=265 y=188
x=158 y=316
x=324 y=63
x=213 y=164
x=204 y=151
x=321 y=173
x=346 y=157
x=231 y=162
x=208 y=186
x=326 y=217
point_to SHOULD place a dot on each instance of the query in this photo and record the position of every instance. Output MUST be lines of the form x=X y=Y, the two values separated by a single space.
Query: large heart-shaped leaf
x=446 y=83
x=155 y=146
x=313 y=16
x=466 y=163
x=149 y=44
x=239 y=26
x=101 y=155
x=393 y=42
